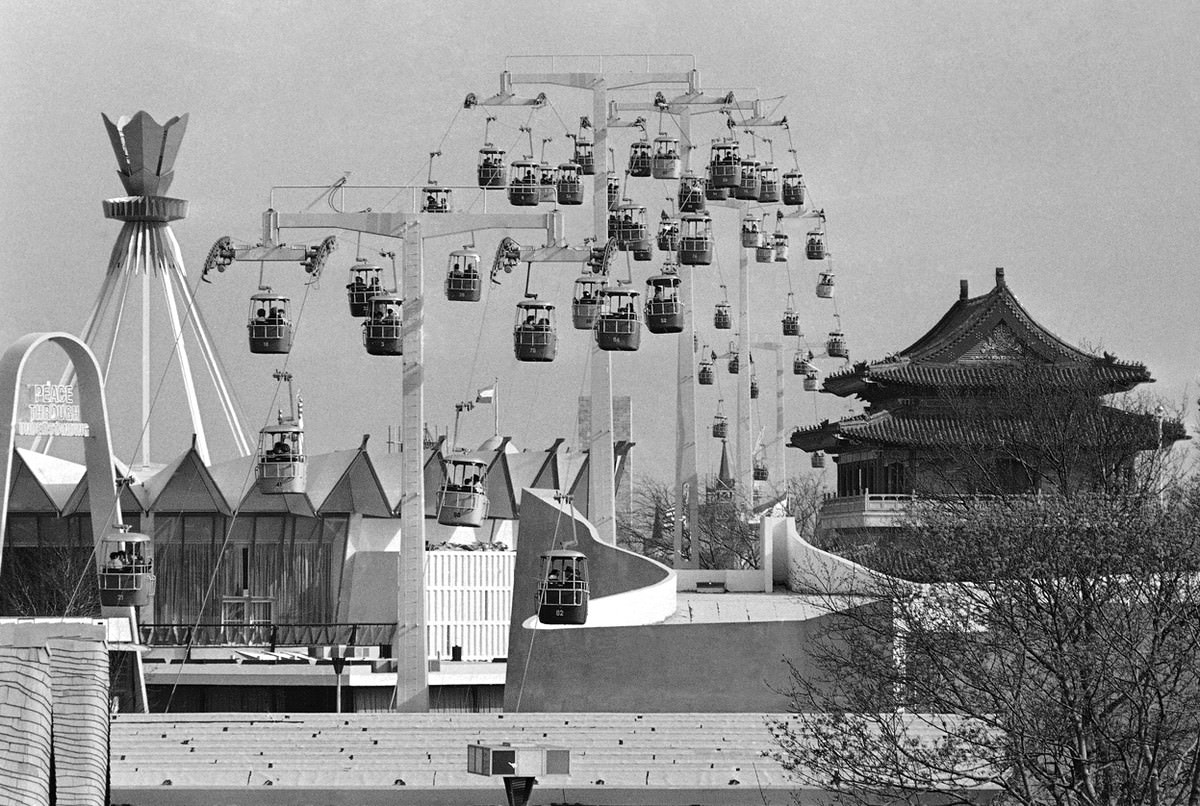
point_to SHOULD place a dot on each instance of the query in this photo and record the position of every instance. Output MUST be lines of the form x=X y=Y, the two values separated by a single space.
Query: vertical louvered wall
x=468 y=598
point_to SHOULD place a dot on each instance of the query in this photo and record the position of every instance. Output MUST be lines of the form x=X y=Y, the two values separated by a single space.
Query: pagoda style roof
x=921 y=428
x=976 y=345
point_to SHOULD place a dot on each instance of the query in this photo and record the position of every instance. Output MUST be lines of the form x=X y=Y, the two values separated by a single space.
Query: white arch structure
x=97 y=446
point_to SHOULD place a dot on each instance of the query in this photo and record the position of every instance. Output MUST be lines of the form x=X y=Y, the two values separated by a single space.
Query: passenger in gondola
x=276 y=315
x=390 y=314
x=375 y=287
x=282 y=452
x=114 y=561
x=470 y=271
x=455 y=271
x=260 y=314
x=543 y=324
x=553 y=579
x=530 y=321
x=359 y=285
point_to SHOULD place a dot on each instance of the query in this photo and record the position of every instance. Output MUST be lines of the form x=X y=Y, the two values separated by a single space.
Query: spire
x=963 y=292
x=724 y=476
x=1000 y=277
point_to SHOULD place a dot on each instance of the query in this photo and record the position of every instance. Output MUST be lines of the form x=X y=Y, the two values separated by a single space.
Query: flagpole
x=496 y=406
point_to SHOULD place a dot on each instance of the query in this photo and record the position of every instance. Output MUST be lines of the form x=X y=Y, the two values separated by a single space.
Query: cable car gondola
x=568 y=184
x=691 y=193
x=749 y=180
x=547 y=183
x=666 y=164
x=779 y=240
x=791 y=318
x=814 y=248
x=668 y=234
x=126 y=579
x=768 y=184
x=523 y=183
x=720 y=424
x=535 y=337
x=381 y=330
x=794 y=190
x=282 y=466
x=835 y=345
x=562 y=593
x=632 y=234
x=491 y=171
x=585 y=306
x=752 y=235
x=722 y=319
x=760 y=471
x=463 y=281
x=704 y=373
x=825 y=285
x=724 y=165
x=664 y=311
x=639 y=159
x=436 y=199
x=462 y=500
x=734 y=364
x=584 y=157
x=614 y=191
x=619 y=325
x=811 y=376
x=270 y=326
x=714 y=193
x=753 y=387
x=696 y=240
x=364 y=284
x=764 y=253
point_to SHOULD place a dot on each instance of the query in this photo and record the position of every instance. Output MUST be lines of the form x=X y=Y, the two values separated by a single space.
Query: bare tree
x=1045 y=647
x=728 y=537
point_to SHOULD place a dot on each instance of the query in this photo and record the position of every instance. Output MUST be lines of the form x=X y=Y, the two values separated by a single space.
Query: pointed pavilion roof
x=972 y=345
x=724 y=474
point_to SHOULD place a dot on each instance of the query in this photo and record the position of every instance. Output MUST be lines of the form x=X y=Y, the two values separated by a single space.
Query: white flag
x=485 y=395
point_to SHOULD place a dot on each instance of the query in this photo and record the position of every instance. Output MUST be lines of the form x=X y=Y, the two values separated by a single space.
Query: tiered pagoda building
x=953 y=402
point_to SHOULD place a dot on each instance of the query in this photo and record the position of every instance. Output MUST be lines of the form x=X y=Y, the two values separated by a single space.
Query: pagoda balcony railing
x=866 y=501
x=268 y=634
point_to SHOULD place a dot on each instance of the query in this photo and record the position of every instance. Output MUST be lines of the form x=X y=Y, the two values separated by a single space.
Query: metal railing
x=268 y=635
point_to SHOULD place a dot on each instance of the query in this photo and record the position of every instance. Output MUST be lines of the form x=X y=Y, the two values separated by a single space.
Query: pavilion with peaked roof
x=917 y=399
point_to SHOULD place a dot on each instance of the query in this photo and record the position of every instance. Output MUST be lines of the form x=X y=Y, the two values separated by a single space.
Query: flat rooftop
x=780 y=605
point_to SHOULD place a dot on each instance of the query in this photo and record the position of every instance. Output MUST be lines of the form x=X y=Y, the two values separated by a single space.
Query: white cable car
x=825 y=285
x=666 y=164
x=752 y=234
x=696 y=240
x=523 y=183
x=436 y=199
x=664 y=310
x=547 y=183
x=764 y=253
x=749 y=180
x=382 y=328
x=585 y=305
x=668 y=234
x=724 y=165
x=768 y=184
x=691 y=193
x=811 y=376
x=779 y=240
x=270 y=325
x=126 y=579
x=734 y=364
x=614 y=191
x=562 y=593
x=584 y=157
x=462 y=500
x=619 y=325
x=491 y=172
x=639 y=159
x=364 y=284
x=463 y=281
x=632 y=234
x=282 y=466
x=568 y=184
x=722 y=319
x=535 y=336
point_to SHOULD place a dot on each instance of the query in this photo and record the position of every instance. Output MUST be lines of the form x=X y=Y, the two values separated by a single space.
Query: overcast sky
x=943 y=139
